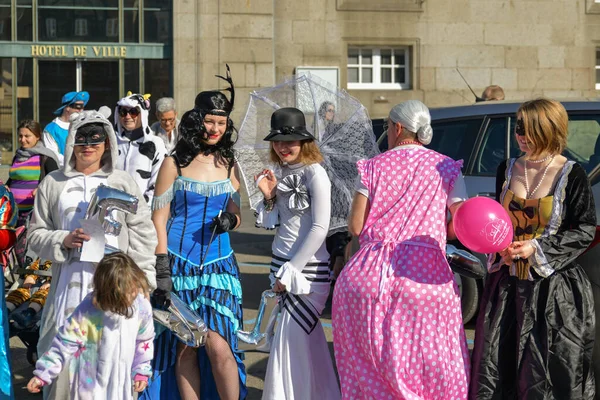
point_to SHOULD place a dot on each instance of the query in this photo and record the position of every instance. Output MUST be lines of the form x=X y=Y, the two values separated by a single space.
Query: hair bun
x=425 y=134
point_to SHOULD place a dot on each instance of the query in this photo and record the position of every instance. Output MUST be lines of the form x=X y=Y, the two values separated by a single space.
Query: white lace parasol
x=345 y=139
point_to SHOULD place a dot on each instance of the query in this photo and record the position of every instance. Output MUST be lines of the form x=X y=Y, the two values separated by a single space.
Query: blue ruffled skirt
x=216 y=294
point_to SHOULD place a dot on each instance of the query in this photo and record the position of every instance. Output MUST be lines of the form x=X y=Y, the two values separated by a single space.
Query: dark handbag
x=464 y=263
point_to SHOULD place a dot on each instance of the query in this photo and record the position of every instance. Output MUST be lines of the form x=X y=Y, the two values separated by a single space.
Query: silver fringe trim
x=207 y=189
x=163 y=200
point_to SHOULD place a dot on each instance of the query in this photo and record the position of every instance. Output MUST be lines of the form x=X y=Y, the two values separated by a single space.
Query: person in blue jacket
x=55 y=133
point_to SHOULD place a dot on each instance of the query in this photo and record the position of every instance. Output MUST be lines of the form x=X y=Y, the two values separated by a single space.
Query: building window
x=51 y=28
x=598 y=69
x=81 y=27
x=112 y=27
x=379 y=68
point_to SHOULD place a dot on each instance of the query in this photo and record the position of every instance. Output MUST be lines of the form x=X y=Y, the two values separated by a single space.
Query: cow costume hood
x=140 y=155
x=134 y=100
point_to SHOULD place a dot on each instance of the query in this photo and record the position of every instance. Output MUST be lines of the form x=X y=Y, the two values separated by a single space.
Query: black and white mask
x=89 y=135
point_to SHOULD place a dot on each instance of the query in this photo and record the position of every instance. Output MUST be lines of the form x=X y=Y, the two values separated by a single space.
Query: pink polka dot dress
x=397 y=320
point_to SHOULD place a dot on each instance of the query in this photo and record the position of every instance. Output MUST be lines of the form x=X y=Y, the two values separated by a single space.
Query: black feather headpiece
x=214 y=102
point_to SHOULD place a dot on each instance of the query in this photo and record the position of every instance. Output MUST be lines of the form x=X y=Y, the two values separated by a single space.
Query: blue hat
x=71 y=98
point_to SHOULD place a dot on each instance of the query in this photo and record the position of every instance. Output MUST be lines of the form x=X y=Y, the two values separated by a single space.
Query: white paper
x=93 y=249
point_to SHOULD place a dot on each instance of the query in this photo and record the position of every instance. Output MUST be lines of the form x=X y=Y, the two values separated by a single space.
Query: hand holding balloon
x=483 y=225
x=520 y=249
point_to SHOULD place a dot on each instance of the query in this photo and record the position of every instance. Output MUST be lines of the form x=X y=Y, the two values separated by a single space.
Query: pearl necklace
x=549 y=156
x=529 y=194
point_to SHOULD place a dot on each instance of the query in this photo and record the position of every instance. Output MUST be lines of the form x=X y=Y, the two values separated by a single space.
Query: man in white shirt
x=167 y=126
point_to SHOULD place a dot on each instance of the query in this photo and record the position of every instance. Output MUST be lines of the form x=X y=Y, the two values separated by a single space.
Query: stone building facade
x=529 y=47
x=382 y=51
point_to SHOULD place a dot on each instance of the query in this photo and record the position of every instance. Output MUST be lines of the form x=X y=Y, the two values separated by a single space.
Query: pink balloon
x=482 y=225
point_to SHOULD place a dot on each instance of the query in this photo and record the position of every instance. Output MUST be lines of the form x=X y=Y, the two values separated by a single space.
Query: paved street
x=253 y=249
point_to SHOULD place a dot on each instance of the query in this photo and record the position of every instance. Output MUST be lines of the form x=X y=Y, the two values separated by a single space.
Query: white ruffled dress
x=300 y=365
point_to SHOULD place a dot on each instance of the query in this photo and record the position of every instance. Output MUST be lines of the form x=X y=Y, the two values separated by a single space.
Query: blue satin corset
x=195 y=204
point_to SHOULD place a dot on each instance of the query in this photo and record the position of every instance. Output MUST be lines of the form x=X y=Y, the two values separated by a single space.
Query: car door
x=456 y=138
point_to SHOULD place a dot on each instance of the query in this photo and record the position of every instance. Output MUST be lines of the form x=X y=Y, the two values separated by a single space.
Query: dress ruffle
x=217 y=298
x=266 y=219
x=294 y=281
x=208 y=189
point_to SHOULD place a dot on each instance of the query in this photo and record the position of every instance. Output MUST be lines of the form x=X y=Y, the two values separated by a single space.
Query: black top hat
x=288 y=124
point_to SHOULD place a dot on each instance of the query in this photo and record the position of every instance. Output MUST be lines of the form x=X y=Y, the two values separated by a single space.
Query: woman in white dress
x=300 y=365
x=55 y=233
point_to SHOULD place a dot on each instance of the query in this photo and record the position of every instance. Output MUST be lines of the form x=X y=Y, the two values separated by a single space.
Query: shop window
x=379 y=68
x=81 y=27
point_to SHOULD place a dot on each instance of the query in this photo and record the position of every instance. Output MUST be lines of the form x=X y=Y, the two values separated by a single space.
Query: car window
x=583 y=142
x=455 y=138
x=493 y=147
x=378 y=131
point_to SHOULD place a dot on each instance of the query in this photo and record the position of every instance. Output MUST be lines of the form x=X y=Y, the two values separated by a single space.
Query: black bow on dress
x=529 y=211
x=528 y=230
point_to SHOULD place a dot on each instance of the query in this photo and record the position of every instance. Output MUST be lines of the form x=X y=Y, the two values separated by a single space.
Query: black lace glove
x=161 y=297
x=224 y=222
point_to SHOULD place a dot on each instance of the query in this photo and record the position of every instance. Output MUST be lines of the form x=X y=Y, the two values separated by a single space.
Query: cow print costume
x=141 y=153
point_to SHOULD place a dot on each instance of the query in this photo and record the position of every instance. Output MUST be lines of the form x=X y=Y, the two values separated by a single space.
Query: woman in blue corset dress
x=196 y=195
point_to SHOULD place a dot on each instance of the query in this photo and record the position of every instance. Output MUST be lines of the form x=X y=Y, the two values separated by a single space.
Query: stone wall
x=529 y=47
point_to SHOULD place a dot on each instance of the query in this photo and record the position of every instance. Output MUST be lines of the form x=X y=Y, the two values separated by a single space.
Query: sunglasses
x=76 y=106
x=134 y=112
x=520 y=128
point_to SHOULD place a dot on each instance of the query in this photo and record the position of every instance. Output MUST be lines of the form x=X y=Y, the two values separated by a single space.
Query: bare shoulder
x=560 y=161
x=169 y=164
x=168 y=170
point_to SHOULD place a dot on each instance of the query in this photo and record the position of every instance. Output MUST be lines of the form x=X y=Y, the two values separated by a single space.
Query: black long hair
x=192 y=132
x=192 y=140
